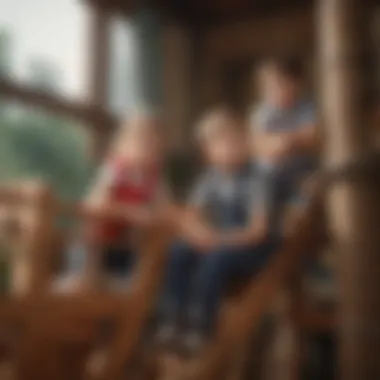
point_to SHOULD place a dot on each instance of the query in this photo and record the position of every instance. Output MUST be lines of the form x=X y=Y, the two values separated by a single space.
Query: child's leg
x=181 y=263
x=216 y=271
x=74 y=260
x=118 y=262
x=174 y=299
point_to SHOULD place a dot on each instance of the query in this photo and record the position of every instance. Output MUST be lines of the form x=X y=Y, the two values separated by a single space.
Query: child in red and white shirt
x=130 y=188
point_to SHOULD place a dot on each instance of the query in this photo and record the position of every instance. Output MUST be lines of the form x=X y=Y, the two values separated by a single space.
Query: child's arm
x=303 y=140
x=194 y=226
x=163 y=210
x=99 y=199
x=258 y=228
x=277 y=145
x=255 y=233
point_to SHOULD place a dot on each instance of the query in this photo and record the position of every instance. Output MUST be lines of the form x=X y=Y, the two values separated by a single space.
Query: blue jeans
x=196 y=282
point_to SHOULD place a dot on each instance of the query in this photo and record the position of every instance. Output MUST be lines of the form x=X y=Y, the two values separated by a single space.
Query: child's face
x=143 y=147
x=280 y=90
x=227 y=149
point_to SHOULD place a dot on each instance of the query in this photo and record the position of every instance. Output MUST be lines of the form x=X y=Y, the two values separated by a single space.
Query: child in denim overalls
x=225 y=234
x=283 y=129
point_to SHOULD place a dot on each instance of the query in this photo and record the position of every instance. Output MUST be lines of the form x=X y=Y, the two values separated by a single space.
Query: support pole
x=99 y=55
x=99 y=62
x=147 y=60
x=354 y=216
x=32 y=265
x=177 y=83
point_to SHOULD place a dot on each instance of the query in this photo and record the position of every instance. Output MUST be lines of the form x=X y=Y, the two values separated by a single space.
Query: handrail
x=38 y=196
x=82 y=210
x=145 y=282
x=260 y=294
x=255 y=301
x=55 y=103
x=130 y=309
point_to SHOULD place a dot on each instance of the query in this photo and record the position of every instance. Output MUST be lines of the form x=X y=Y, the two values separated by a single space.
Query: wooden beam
x=35 y=256
x=316 y=321
x=353 y=206
x=99 y=70
x=56 y=104
x=117 y=6
x=177 y=83
x=145 y=283
x=100 y=37
x=87 y=306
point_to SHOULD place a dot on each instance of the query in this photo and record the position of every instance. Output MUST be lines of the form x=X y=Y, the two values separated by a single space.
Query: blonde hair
x=215 y=122
x=135 y=123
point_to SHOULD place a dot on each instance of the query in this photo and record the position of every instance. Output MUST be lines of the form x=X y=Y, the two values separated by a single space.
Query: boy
x=284 y=127
x=129 y=185
x=225 y=234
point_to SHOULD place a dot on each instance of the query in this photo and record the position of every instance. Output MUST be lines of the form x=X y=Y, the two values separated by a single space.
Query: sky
x=50 y=30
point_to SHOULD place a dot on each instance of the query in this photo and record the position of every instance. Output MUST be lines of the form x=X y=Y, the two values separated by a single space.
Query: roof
x=208 y=11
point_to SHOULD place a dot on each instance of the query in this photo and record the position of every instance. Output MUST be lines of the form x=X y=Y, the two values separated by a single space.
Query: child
x=284 y=127
x=129 y=185
x=225 y=234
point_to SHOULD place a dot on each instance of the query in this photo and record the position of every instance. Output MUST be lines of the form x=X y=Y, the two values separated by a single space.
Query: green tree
x=36 y=145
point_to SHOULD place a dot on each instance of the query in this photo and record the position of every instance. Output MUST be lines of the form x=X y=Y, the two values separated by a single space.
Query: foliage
x=37 y=145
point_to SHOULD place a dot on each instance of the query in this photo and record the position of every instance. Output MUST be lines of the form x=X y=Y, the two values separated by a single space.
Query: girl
x=130 y=188
x=284 y=130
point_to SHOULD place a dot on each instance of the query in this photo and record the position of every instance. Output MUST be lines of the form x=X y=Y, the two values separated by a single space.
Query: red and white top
x=127 y=187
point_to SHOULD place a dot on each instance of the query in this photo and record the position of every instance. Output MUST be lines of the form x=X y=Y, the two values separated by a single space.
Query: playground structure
x=49 y=324
x=45 y=335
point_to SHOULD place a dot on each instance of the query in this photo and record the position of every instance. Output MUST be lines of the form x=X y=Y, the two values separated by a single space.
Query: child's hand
x=204 y=239
x=279 y=149
x=168 y=214
x=144 y=217
x=207 y=243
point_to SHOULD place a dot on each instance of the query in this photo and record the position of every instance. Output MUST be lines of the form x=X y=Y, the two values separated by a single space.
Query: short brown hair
x=290 y=67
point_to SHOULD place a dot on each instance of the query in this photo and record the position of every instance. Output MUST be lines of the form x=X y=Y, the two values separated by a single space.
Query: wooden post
x=285 y=356
x=32 y=266
x=36 y=345
x=354 y=215
x=99 y=55
x=99 y=40
x=144 y=284
x=147 y=58
x=177 y=83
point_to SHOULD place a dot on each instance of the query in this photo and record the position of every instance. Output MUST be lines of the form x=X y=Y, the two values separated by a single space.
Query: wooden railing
x=52 y=321
x=260 y=294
